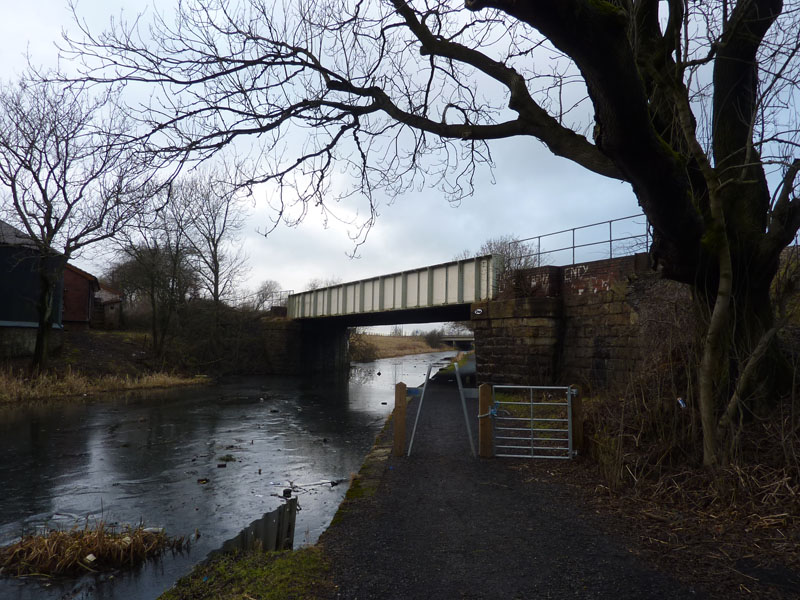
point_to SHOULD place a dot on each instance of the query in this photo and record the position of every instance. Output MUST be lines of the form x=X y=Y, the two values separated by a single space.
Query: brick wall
x=604 y=321
x=517 y=340
x=294 y=347
x=283 y=345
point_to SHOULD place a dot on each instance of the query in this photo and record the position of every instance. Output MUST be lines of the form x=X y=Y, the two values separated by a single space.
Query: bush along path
x=442 y=524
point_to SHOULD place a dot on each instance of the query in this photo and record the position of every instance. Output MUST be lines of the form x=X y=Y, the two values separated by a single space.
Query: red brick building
x=79 y=290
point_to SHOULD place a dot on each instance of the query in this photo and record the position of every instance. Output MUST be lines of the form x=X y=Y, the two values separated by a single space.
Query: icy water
x=154 y=458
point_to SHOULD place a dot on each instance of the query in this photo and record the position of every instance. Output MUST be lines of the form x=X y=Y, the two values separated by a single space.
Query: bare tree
x=320 y=282
x=213 y=219
x=267 y=295
x=517 y=254
x=694 y=104
x=156 y=264
x=68 y=177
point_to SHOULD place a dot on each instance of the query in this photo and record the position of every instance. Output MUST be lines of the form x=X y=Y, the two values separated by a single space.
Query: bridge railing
x=596 y=241
x=280 y=298
x=455 y=282
x=266 y=301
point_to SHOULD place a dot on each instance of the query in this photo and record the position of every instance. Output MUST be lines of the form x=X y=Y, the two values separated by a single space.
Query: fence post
x=577 y=420
x=287 y=517
x=399 y=444
x=485 y=446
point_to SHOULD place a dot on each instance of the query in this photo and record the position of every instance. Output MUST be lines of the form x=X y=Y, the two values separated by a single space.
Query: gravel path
x=445 y=525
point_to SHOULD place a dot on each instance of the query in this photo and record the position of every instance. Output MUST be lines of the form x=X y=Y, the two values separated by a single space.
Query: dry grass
x=389 y=346
x=17 y=387
x=731 y=533
x=734 y=529
x=739 y=525
x=78 y=551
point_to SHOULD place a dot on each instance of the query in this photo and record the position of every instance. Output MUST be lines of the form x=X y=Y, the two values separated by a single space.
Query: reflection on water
x=190 y=460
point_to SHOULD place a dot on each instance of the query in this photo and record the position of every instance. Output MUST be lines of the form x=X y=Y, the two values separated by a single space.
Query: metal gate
x=532 y=421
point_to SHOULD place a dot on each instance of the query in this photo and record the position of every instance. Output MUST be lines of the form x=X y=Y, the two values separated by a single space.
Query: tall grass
x=16 y=387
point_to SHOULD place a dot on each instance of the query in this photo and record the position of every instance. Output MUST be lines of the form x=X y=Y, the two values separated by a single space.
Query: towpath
x=444 y=525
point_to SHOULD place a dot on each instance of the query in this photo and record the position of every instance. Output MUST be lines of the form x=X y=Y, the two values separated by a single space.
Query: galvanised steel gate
x=532 y=421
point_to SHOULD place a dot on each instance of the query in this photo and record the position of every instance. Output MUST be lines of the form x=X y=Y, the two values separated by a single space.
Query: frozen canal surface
x=139 y=458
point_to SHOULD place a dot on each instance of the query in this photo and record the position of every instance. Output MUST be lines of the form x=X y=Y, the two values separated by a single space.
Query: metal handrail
x=278 y=298
x=610 y=241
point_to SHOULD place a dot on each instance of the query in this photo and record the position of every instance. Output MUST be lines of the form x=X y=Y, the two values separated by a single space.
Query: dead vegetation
x=89 y=549
x=18 y=387
x=371 y=347
x=733 y=530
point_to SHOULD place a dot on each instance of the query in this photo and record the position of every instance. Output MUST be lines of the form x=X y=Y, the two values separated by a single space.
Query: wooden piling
x=485 y=445
x=399 y=444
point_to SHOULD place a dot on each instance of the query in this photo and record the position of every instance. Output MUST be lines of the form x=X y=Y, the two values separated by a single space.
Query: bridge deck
x=454 y=283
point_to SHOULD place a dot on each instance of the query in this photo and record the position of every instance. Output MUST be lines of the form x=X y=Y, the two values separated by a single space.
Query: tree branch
x=625 y=129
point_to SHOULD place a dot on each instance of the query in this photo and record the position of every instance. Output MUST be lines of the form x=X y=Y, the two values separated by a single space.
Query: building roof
x=88 y=276
x=11 y=236
x=107 y=295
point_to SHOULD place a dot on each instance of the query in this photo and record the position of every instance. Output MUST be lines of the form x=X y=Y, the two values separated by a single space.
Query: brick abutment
x=596 y=324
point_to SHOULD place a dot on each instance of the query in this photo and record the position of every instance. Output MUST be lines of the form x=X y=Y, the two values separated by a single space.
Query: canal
x=156 y=458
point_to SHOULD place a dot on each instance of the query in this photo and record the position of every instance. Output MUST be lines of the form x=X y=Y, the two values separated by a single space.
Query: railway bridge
x=591 y=320
x=314 y=334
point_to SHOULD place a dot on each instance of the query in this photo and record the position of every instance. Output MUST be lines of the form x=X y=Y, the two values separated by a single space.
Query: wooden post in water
x=577 y=421
x=485 y=445
x=399 y=445
x=286 y=524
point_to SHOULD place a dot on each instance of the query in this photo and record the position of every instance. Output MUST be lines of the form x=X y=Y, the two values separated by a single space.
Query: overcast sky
x=534 y=193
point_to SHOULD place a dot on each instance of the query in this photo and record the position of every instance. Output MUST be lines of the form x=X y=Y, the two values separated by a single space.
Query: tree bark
x=51 y=271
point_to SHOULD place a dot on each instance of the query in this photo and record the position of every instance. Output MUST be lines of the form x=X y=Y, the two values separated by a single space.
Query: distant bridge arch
x=465 y=341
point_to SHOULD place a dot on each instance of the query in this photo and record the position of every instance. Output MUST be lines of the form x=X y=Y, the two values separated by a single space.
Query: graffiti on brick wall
x=540 y=281
x=578 y=281
x=575 y=272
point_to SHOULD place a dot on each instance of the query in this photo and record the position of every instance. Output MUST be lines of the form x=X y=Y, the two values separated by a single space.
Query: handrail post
x=464 y=407
x=539 y=251
x=576 y=417
x=399 y=442
x=485 y=442
x=419 y=408
x=573 y=245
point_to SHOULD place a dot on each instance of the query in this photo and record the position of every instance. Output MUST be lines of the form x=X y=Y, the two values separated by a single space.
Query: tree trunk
x=51 y=271
x=739 y=335
x=708 y=376
x=154 y=320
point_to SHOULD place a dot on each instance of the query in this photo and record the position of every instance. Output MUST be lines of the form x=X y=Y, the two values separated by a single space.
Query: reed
x=16 y=387
x=77 y=551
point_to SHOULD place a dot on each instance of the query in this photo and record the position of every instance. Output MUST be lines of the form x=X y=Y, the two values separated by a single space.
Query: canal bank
x=442 y=524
